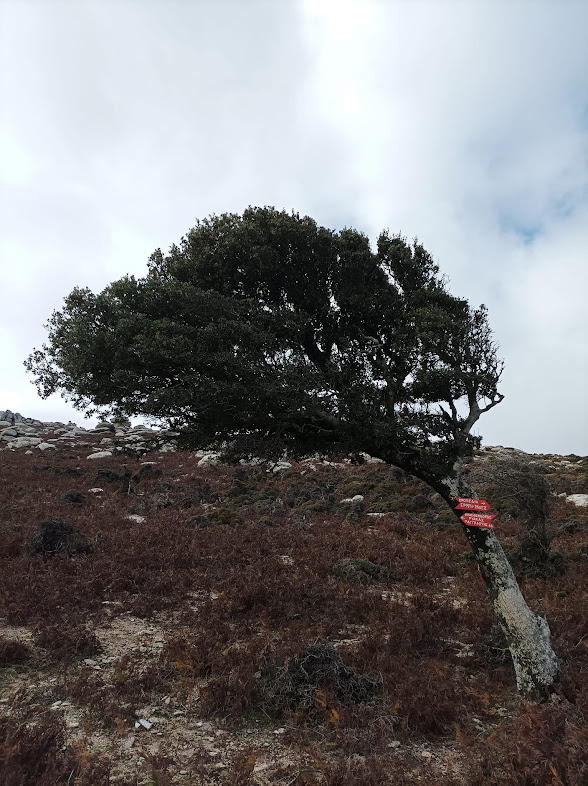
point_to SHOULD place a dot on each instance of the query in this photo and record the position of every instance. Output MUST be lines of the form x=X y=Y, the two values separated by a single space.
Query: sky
x=464 y=124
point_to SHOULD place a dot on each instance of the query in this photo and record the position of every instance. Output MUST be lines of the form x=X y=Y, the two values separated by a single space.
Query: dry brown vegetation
x=270 y=633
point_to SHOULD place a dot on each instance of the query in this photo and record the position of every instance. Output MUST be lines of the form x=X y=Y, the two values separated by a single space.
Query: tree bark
x=527 y=633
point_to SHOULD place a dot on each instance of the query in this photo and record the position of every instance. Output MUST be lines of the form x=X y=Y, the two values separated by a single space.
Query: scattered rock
x=579 y=500
x=46 y=446
x=24 y=442
x=100 y=455
x=209 y=460
x=351 y=500
x=281 y=466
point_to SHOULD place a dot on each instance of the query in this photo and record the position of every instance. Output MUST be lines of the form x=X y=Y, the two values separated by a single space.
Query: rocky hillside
x=167 y=619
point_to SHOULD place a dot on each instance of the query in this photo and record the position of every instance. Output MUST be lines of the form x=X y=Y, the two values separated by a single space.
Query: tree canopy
x=268 y=332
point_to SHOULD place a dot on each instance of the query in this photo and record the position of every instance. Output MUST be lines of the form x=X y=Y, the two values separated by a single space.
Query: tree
x=266 y=332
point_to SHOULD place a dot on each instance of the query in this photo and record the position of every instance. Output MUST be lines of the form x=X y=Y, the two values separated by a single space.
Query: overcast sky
x=462 y=123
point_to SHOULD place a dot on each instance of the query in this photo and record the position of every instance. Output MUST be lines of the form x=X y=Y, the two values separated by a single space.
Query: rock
x=103 y=426
x=351 y=500
x=59 y=537
x=209 y=460
x=371 y=459
x=100 y=455
x=25 y=442
x=4 y=424
x=46 y=446
x=280 y=466
x=580 y=500
x=95 y=491
x=134 y=517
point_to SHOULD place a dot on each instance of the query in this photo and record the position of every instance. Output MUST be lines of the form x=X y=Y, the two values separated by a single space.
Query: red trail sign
x=466 y=503
x=479 y=520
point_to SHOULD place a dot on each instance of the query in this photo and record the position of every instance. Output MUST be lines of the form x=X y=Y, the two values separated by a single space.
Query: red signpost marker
x=483 y=520
x=465 y=503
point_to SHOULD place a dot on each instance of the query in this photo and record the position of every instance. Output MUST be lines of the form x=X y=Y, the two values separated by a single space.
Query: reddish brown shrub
x=13 y=652
x=33 y=752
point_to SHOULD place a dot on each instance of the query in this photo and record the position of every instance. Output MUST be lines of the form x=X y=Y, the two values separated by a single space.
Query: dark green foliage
x=59 y=537
x=359 y=570
x=266 y=331
x=517 y=487
x=74 y=497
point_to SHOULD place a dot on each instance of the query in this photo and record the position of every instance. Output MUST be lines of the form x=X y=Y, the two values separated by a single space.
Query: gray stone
x=352 y=500
x=580 y=500
x=280 y=466
x=209 y=460
x=100 y=455
x=45 y=446
x=25 y=442
x=103 y=427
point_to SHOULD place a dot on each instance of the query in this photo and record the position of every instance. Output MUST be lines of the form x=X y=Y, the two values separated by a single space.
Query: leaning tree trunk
x=527 y=633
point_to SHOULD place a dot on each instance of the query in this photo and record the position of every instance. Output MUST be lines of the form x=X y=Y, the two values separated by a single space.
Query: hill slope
x=167 y=619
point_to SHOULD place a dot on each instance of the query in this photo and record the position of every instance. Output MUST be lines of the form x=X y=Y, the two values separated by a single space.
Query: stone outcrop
x=118 y=436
